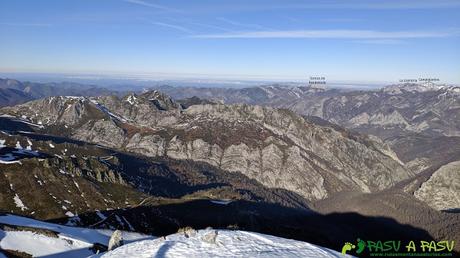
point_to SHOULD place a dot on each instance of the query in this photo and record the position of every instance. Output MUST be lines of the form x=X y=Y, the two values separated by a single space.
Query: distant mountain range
x=421 y=123
x=14 y=92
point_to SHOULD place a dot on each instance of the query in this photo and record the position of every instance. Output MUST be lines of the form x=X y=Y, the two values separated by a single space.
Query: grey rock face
x=104 y=132
x=442 y=190
x=411 y=118
x=431 y=109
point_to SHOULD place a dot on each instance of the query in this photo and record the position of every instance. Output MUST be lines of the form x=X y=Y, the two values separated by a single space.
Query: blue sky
x=242 y=39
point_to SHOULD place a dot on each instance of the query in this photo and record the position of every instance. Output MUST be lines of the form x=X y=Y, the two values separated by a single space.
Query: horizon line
x=222 y=78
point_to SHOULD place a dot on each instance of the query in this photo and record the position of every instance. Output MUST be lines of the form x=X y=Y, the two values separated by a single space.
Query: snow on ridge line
x=10 y=162
x=22 y=120
x=221 y=243
x=107 y=111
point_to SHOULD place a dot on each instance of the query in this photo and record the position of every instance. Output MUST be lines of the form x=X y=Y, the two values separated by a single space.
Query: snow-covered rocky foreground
x=42 y=239
x=37 y=238
x=221 y=243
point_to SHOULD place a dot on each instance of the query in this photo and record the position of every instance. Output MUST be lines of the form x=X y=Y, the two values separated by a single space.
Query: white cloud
x=394 y=4
x=240 y=24
x=148 y=4
x=333 y=34
x=360 y=4
x=263 y=5
x=381 y=41
x=172 y=26
x=210 y=26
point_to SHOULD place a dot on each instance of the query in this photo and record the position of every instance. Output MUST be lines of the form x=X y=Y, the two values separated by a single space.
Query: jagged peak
x=161 y=100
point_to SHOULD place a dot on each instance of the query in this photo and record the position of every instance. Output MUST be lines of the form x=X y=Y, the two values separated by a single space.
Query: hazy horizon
x=357 y=42
x=146 y=81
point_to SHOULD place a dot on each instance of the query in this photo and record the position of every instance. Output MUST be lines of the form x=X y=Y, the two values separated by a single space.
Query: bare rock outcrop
x=442 y=190
x=116 y=240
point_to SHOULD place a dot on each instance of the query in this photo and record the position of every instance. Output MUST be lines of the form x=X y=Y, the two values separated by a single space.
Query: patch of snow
x=26 y=152
x=29 y=123
x=52 y=146
x=100 y=215
x=221 y=202
x=2 y=143
x=18 y=145
x=71 y=241
x=131 y=99
x=74 y=98
x=9 y=162
x=76 y=184
x=41 y=245
x=5 y=133
x=129 y=224
x=119 y=220
x=107 y=111
x=8 y=159
x=69 y=214
x=19 y=203
x=73 y=221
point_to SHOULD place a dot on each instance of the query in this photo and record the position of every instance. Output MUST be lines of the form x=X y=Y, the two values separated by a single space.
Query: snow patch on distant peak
x=415 y=87
x=74 y=97
x=108 y=112
x=267 y=90
x=132 y=99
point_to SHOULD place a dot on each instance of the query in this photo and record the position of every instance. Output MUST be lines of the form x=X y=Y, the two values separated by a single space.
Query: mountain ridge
x=247 y=139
